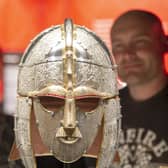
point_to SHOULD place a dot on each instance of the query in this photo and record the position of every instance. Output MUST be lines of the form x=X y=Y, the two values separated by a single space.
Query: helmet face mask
x=67 y=79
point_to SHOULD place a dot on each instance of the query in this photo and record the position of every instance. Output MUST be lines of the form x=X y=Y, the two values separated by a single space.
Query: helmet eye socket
x=87 y=104
x=54 y=104
x=51 y=103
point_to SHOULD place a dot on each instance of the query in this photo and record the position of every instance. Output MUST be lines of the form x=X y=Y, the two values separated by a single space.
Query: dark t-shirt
x=145 y=130
x=51 y=162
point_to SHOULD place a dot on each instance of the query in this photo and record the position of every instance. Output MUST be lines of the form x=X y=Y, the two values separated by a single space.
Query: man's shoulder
x=123 y=92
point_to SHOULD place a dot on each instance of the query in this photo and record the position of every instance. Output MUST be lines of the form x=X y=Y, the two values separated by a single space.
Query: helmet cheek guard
x=68 y=81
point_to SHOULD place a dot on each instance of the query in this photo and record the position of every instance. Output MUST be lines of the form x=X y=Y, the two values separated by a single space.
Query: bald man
x=139 y=45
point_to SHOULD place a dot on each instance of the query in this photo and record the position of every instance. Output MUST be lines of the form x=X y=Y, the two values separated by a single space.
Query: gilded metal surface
x=69 y=132
x=22 y=131
x=72 y=64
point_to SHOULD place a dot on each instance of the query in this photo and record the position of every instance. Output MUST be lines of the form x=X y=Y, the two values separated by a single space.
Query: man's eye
x=87 y=104
x=51 y=103
x=140 y=43
x=118 y=49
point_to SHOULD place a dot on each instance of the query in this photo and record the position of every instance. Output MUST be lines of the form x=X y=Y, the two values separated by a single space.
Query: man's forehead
x=131 y=23
x=131 y=28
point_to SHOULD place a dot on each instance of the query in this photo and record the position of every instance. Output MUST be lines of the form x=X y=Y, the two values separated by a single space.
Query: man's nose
x=128 y=53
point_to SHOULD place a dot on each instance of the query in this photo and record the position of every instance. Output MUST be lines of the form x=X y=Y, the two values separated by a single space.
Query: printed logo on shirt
x=138 y=147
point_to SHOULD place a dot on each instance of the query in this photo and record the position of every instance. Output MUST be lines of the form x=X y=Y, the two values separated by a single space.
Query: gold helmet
x=68 y=81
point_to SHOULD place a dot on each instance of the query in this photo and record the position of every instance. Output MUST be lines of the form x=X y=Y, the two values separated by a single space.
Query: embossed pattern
x=43 y=65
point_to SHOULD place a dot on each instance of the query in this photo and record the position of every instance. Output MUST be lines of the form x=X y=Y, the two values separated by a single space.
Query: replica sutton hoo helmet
x=68 y=80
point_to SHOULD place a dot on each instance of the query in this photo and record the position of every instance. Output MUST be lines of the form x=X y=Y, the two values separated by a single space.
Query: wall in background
x=22 y=20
